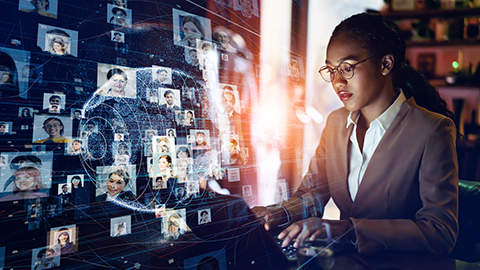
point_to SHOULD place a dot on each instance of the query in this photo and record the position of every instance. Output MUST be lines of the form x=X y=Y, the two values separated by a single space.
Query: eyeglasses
x=344 y=69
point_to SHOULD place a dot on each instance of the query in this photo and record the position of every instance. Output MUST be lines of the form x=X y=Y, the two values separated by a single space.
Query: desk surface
x=397 y=260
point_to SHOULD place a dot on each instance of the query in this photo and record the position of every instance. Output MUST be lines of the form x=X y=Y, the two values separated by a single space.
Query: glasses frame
x=335 y=69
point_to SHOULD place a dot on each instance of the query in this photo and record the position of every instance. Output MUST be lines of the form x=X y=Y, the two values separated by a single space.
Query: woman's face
x=120 y=3
x=58 y=48
x=25 y=181
x=54 y=128
x=115 y=184
x=173 y=229
x=223 y=38
x=118 y=83
x=199 y=139
x=120 y=17
x=192 y=33
x=75 y=183
x=162 y=76
x=182 y=154
x=163 y=163
x=26 y=112
x=63 y=238
x=5 y=77
x=76 y=146
x=40 y=4
x=362 y=91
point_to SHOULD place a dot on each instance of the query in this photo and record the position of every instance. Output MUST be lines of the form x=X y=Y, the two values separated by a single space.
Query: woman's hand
x=272 y=217
x=312 y=228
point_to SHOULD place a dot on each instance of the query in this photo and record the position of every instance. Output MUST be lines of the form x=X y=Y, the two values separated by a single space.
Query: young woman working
x=387 y=158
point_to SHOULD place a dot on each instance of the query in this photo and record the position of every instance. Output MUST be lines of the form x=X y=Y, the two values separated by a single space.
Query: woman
x=165 y=165
x=64 y=243
x=119 y=17
x=200 y=141
x=7 y=78
x=54 y=128
x=40 y=7
x=27 y=183
x=192 y=29
x=58 y=46
x=163 y=145
x=116 y=183
x=389 y=164
x=189 y=120
x=183 y=152
x=117 y=81
x=25 y=113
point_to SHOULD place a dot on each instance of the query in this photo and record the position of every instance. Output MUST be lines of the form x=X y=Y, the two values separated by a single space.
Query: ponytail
x=414 y=84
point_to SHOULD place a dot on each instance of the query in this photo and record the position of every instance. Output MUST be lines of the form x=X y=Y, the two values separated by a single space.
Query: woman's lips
x=344 y=95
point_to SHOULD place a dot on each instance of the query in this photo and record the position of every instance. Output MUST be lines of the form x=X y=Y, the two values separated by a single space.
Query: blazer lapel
x=342 y=195
x=381 y=153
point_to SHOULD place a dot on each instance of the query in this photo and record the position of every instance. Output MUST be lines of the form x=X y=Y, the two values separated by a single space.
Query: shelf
x=438 y=13
x=443 y=43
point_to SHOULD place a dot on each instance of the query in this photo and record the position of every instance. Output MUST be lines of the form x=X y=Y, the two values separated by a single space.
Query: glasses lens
x=346 y=71
x=326 y=74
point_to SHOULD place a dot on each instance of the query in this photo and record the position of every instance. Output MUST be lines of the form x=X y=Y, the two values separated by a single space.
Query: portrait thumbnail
x=76 y=114
x=52 y=129
x=247 y=191
x=120 y=226
x=76 y=180
x=152 y=95
x=45 y=258
x=204 y=216
x=174 y=223
x=6 y=128
x=120 y=3
x=64 y=189
x=230 y=99
x=57 y=41
x=116 y=81
x=117 y=36
x=53 y=103
x=171 y=132
x=63 y=240
x=183 y=151
x=233 y=174
x=163 y=144
x=119 y=16
x=12 y=65
x=163 y=165
x=169 y=98
x=160 y=182
x=25 y=112
x=187 y=28
x=248 y=8
x=188 y=118
x=161 y=75
x=200 y=139
x=115 y=183
x=207 y=55
x=25 y=176
x=47 y=8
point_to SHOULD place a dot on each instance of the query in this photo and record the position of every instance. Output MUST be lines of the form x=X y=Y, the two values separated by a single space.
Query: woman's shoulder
x=421 y=115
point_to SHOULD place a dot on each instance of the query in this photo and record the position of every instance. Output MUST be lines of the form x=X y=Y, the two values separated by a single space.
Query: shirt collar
x=386 y=118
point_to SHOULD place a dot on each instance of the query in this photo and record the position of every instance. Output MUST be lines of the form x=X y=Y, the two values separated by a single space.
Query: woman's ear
x=387 y=64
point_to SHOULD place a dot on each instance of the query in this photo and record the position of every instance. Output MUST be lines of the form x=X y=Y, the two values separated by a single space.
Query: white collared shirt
x=359 y=160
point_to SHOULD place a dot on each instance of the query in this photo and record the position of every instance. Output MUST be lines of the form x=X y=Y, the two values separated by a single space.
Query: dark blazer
x=408 y=197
